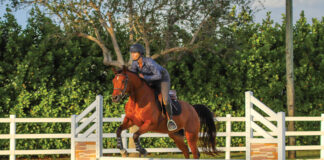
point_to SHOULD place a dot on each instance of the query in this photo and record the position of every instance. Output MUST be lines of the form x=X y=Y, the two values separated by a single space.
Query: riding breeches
x=165 y=87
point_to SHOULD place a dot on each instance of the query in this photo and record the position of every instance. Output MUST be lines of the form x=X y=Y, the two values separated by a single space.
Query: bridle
x=125 y=86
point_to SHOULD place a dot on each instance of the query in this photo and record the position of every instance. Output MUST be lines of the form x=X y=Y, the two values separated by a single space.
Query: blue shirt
x=151 y=70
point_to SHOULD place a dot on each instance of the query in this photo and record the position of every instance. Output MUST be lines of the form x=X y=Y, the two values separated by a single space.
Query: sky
x=312 y=9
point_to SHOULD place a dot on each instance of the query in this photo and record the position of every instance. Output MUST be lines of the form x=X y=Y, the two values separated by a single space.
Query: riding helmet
x=137 y=48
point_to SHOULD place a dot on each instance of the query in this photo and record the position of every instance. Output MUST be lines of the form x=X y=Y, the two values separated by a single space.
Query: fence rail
x=228 y=134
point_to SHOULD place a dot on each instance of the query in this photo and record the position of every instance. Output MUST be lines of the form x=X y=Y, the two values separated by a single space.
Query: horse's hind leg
x=179 y=141
x=126 y=124
x=192 y=138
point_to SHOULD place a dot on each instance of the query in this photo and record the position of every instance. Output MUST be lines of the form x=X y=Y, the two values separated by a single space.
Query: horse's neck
x=139 y=88
x=141 y=99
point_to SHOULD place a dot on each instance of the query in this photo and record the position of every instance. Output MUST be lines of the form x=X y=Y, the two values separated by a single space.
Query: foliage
x=163 y=26
x=46 y=73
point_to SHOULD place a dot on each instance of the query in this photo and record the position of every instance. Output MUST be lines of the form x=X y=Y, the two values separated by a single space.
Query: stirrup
x=171 y=125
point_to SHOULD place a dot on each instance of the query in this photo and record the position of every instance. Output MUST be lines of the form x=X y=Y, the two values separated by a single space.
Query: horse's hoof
x=143 y=152
x=123 y=152
x=144 y=155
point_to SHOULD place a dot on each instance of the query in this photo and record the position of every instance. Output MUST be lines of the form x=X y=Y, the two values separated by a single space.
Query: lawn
x=234 y=155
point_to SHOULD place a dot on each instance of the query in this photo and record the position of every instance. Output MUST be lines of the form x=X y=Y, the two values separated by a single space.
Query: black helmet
x=137 y=48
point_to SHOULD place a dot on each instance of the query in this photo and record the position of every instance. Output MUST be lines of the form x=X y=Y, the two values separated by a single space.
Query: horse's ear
x=114 y=70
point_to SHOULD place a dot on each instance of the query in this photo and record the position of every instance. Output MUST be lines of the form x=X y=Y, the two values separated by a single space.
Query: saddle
x=175 y=105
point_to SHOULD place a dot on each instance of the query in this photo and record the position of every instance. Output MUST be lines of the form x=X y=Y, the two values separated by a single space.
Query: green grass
x=234 y=155
x=307 y=154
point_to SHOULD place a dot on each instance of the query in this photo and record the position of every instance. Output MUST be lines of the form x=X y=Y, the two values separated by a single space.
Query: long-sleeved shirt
x=151 y=70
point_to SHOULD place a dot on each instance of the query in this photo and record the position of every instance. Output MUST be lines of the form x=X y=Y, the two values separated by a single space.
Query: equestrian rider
x=152 y=72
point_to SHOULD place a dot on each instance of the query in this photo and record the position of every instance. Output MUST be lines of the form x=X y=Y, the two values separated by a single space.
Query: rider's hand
x=141 y=75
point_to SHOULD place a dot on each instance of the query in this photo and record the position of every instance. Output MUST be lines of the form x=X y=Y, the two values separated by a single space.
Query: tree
x=163 y=26
x=10 y=53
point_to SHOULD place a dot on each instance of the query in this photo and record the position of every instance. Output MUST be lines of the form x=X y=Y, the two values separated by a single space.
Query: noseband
x=125 y=86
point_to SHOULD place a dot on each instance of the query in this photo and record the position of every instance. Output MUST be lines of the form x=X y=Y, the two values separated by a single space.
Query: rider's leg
x=165 y=87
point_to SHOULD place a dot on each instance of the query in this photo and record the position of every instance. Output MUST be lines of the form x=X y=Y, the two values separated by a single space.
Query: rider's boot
x=171 y=124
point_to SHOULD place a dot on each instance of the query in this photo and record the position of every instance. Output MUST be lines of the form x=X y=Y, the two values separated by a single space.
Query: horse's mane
x=120 y=71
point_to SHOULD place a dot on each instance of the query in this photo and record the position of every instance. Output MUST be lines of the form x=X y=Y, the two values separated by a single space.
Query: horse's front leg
x=125 y=125
x=142 y=129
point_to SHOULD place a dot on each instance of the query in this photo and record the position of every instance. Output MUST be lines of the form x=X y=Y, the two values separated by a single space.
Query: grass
x=234 y=155
x=307 y=154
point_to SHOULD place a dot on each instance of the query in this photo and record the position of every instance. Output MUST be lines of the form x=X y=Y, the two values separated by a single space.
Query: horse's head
x=120 y=82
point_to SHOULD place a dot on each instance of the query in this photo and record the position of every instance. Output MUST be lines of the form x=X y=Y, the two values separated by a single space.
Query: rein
x=125 y=86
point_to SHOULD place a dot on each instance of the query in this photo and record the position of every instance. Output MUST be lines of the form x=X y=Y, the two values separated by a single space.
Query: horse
x=142 y=110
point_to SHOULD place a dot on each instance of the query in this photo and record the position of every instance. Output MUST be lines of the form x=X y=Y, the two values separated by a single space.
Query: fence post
x=131 y=143
x=12 y=137
x=248 y=119
x=99 y=117
x=228 y=137
x=281 y=136
x=322 y=137
x=73 y=127
x=124 y=137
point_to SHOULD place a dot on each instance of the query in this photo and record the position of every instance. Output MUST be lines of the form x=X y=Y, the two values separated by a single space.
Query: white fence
x=252 y=115
x=87 y=135
x=228 y=134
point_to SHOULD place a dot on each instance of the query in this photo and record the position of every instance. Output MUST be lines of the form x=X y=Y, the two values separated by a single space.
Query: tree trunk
x=131 y=28
x=290 y=74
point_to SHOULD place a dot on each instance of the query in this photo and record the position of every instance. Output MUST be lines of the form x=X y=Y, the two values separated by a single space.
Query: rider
x=152 y=72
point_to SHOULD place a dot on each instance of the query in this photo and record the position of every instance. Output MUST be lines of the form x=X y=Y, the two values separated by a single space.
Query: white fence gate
x=87 y=135
x=251 y=116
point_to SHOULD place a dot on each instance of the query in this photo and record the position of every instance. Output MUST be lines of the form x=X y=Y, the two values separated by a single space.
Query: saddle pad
x=176 y=107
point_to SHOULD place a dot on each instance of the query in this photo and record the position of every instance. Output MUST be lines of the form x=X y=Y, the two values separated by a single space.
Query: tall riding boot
x=171 y=124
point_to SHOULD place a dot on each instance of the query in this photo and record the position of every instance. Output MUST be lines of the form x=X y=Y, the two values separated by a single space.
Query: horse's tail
x=207 y=128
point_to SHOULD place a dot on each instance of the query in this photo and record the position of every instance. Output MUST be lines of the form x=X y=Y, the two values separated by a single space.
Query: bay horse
x=142 y=110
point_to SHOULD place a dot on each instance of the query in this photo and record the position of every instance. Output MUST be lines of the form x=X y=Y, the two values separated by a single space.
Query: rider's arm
x=134 y=67
x=156 y=72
